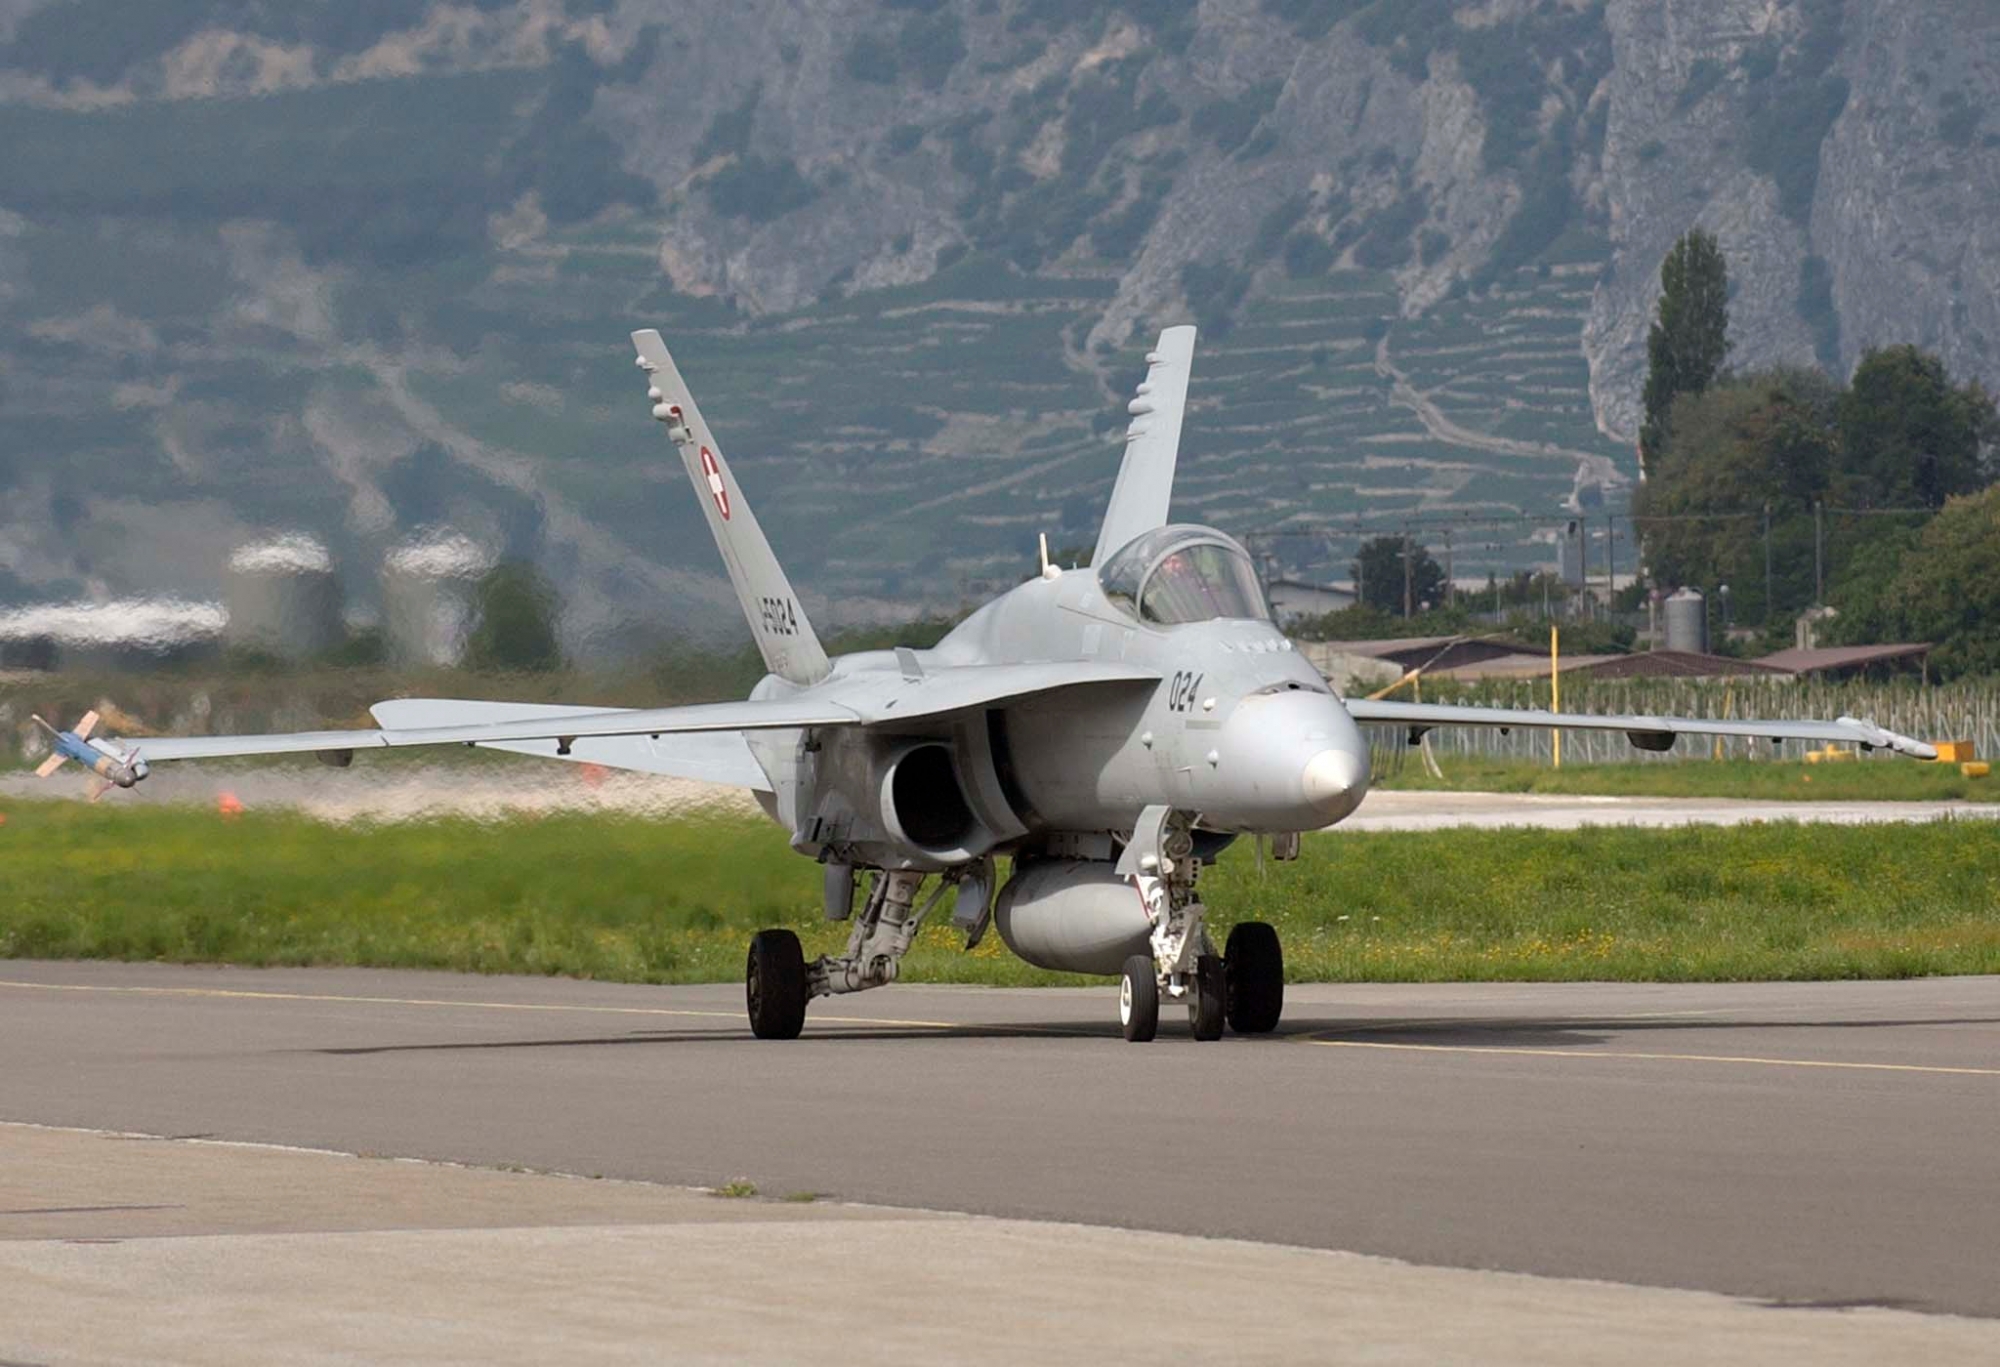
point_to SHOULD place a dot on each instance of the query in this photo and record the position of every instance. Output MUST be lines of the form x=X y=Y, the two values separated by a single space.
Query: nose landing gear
x=1161 y=864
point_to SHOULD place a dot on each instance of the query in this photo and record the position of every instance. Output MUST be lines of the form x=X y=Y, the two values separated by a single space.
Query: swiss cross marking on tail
x=716 y=489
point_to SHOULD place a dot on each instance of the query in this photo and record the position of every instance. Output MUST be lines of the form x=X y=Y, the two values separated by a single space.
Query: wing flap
x=710 y=756
x=1645 y=732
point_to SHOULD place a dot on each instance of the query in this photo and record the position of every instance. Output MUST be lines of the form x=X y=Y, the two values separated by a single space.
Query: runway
x=1827 y=1144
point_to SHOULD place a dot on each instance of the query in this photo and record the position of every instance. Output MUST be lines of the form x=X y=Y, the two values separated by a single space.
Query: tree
x=1945 y=588
x=1764 y=440
x=1381 y=577
x=1910 y=437
x=516 y=621
x=1690 y=336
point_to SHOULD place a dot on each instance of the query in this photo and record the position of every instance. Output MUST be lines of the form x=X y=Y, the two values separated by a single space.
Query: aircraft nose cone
x=1334 y=782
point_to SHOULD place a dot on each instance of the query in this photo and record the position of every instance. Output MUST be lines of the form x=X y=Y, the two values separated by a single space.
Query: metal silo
x=117 y=634
x=1687 y=622
x=283 y=596
x=1570 y=553
x=427 y=597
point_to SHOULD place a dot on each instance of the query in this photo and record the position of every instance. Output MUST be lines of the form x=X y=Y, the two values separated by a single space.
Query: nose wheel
x=1207 y=998
x=1205 y=989
x=1139 y=999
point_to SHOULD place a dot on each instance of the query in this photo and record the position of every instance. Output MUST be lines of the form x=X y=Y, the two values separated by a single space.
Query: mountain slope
x=368 y=267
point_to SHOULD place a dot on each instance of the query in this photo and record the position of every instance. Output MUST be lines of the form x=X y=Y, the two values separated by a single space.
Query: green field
x=649 y=901
x=1872 y=780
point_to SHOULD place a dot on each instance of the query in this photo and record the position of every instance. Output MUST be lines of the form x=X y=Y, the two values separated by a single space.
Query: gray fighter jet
x=1107 y=731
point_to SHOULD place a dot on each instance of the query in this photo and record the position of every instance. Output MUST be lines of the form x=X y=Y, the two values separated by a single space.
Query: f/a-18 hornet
x=1106 y=730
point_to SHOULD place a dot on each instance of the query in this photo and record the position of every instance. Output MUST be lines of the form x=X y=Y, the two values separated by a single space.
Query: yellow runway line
x=1747 y=1059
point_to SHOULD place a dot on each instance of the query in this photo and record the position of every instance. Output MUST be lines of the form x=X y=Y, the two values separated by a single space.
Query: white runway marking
x=1649 y=1056
x=238 y=993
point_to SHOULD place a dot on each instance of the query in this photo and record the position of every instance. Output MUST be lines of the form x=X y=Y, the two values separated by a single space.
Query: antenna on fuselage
x=1048 y=571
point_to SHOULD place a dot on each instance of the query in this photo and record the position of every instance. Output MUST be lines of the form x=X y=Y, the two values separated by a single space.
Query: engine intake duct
x=924 y=803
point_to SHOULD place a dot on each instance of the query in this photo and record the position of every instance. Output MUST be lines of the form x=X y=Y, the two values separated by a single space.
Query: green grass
x=638 y=900
x=1873 y=780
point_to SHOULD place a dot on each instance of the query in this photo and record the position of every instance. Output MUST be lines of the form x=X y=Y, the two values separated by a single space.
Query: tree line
x=1874 y=497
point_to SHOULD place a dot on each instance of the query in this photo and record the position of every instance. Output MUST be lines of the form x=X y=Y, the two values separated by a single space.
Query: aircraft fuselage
x=1238 y=728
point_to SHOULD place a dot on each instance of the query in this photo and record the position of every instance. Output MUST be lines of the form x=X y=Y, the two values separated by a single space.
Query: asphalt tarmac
x=1828 y=1144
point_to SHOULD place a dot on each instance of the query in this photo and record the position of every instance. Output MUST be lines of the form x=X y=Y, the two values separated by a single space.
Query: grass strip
x=643 y=900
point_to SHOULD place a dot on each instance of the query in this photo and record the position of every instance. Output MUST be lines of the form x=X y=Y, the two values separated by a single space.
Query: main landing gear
x=1243 y=987
x=778 y=982
x=776 y=985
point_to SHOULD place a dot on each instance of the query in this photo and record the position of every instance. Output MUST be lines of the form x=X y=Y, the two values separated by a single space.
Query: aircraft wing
x=872 y=698
x=556 y=724
x=711 y=756
x=1647 y=733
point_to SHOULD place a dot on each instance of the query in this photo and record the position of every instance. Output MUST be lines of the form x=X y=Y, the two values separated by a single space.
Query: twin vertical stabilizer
x=790 y=648
x=1152 y=445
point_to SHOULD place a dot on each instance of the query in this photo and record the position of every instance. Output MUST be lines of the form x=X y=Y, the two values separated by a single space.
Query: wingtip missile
x=120 y=768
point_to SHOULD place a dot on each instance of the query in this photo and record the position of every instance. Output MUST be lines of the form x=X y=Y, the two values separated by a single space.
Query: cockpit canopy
x=1182 y=573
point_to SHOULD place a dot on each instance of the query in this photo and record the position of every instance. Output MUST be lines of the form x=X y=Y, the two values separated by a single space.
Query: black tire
x=1208 y=997
x=1254 y=965
x=1139 y=999
x=775 y=985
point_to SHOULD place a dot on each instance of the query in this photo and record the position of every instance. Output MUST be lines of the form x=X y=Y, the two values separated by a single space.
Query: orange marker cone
x=229 y=805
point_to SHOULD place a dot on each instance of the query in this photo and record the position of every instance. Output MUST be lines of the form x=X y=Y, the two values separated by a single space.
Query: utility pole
x=1610 y=561
x=1770 y=606
x=1409 y=604
x=1819 y=552
x=1450 y=584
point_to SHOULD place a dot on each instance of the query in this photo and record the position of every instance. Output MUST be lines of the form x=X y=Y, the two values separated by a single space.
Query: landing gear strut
x=1162 y=867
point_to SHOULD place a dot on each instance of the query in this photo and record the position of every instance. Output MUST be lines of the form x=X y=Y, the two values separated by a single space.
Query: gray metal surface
x=1822 y=1143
